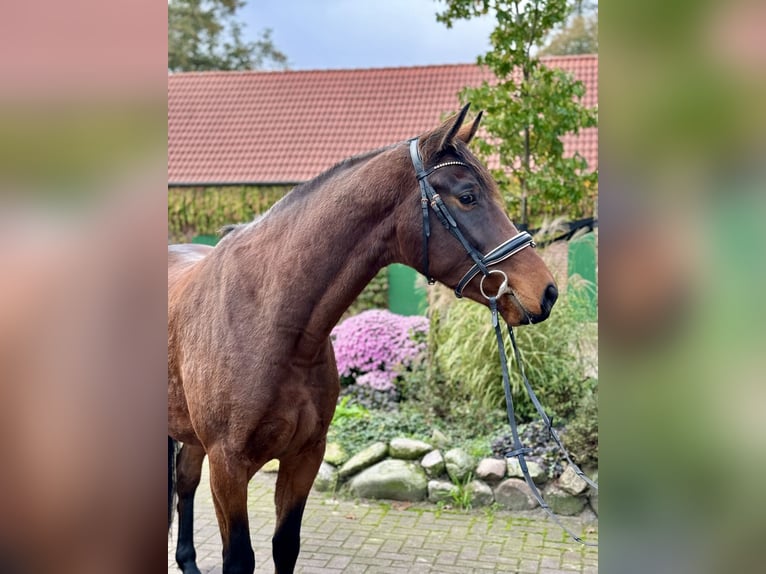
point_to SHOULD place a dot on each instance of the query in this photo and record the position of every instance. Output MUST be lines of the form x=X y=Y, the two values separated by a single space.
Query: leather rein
x=429 y=197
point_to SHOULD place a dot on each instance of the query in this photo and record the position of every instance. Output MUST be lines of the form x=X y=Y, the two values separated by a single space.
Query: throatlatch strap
x=519 y=451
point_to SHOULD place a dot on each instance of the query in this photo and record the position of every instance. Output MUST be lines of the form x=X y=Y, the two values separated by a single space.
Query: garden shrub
x=409 y=420
x=448 y=405
x=465 y=358
x=370 y=398
x=375 y=347
x=346 y=411
x=356 y=433
x=581 y=435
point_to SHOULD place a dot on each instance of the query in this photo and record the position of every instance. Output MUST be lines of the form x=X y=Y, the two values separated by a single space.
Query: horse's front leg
x=228 y=482
x=296 y=476
x=189 y=471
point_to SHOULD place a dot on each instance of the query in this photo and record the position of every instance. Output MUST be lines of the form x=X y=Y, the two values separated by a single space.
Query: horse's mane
x=307 y=187
x=318 y=181
x=231 y=228
x=302 y=189
x=226 y=229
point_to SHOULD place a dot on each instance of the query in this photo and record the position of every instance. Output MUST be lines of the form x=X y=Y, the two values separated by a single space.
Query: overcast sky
x=317 y=34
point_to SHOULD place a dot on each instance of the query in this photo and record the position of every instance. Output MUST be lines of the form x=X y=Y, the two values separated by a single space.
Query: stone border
x=412 y=470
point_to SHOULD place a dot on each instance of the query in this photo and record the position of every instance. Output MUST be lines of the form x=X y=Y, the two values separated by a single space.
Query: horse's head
x=463 y=200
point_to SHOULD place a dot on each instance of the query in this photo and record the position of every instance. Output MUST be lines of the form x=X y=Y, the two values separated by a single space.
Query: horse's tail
x=172 y=452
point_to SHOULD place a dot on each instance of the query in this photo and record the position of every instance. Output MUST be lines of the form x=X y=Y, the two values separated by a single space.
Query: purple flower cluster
x=374 y=347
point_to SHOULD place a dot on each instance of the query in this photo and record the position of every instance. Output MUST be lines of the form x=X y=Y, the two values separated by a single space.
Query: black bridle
x=428 y=196
x=481 y=265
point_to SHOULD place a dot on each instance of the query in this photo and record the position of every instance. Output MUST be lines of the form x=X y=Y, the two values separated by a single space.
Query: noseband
x=428 y=196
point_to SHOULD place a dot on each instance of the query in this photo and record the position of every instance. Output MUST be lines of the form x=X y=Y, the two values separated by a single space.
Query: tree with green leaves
x=206 y=35
x=529 y=106
x=578 y=34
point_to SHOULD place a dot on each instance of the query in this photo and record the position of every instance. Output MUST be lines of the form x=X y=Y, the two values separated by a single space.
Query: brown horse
x=252 y=373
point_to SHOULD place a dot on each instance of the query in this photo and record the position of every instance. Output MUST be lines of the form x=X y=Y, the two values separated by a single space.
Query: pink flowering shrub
x=374 y=347
x=377 y=380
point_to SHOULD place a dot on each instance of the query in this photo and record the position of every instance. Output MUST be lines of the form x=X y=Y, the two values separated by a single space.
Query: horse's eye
x=467 y=199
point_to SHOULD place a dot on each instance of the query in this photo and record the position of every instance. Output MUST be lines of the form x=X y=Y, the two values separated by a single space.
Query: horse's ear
x=466 y=133
x=453 y=128
x=444 y=135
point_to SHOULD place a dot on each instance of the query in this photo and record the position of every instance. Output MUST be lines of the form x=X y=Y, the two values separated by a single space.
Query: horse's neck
x=321 y=249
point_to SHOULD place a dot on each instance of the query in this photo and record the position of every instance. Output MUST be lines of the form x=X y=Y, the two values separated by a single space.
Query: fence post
x=582 y=264
x=404 y=296
x=206 y=239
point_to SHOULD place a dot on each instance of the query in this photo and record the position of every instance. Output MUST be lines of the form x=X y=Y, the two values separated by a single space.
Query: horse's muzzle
x=550 y=296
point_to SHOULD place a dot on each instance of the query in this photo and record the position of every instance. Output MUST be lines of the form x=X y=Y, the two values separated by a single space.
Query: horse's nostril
x=549 y=297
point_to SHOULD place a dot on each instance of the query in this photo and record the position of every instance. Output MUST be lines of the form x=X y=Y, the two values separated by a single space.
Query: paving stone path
x=393 y=538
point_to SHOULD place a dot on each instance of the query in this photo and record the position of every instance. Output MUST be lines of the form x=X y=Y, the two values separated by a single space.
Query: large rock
x=439 y=439
x=441 y=491
x=481 y=493
x=491 y=470
x=515 y=494
x=334 y=454
x=363 y=459
x=393 y=479
x=408 y=448
x=561 y=502
x=570 y=482
x=326 y=479
x=537 y=472
x=459 y=464
x=433 y=464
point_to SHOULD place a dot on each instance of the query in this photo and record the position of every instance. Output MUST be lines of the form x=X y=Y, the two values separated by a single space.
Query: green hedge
x=194 y=211
x=374 y=296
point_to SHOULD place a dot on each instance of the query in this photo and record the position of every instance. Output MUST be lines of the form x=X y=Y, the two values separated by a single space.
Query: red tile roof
x=287 y=127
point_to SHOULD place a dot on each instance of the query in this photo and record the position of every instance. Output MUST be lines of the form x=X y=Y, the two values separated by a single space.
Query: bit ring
x=503 y=286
